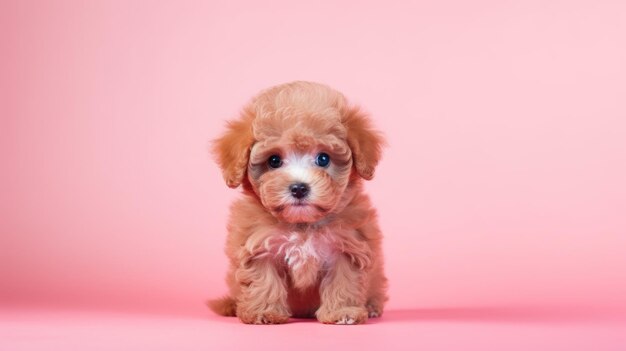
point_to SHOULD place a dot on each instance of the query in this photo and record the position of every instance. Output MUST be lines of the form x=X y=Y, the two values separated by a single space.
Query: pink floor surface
x=427 y=329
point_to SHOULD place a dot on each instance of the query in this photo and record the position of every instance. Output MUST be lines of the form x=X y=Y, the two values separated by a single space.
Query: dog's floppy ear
x=365 y=142
x=232 y=149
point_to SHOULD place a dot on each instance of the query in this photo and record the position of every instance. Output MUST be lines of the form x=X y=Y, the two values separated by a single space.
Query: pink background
x=503 y=183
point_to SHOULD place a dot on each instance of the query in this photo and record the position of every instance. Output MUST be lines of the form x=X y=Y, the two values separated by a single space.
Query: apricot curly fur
x=317 y=257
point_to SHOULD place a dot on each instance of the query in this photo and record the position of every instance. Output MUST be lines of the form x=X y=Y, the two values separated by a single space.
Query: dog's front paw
x=264 y=318
x=273 y=316
x=344 y=315
x=374 y=311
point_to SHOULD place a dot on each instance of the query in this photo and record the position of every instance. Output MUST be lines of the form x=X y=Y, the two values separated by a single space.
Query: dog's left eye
x=274 y=161
x=322 y=159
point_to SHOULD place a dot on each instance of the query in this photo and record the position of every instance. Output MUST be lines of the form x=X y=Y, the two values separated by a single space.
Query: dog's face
x=298 y=147
x=300 y=164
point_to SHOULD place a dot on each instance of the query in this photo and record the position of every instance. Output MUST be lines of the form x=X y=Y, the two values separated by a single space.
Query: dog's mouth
x=300 y=205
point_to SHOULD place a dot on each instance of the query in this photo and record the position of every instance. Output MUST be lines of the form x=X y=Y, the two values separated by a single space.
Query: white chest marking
x=298 y=249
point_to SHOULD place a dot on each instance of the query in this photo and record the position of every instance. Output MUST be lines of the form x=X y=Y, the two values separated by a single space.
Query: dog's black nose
x=299 y=190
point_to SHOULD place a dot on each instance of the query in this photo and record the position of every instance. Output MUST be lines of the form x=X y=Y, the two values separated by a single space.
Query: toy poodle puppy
x=303 y=241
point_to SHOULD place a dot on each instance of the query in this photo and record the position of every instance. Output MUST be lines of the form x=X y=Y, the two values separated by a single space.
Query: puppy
x=303 y=241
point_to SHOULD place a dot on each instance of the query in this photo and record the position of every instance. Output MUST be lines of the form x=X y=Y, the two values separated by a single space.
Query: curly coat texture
x=320 y=256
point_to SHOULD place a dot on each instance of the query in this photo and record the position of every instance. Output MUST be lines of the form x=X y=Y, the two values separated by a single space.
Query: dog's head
x=298 y=147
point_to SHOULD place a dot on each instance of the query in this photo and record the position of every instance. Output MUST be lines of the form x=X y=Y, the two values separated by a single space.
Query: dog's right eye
x=274 y=161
